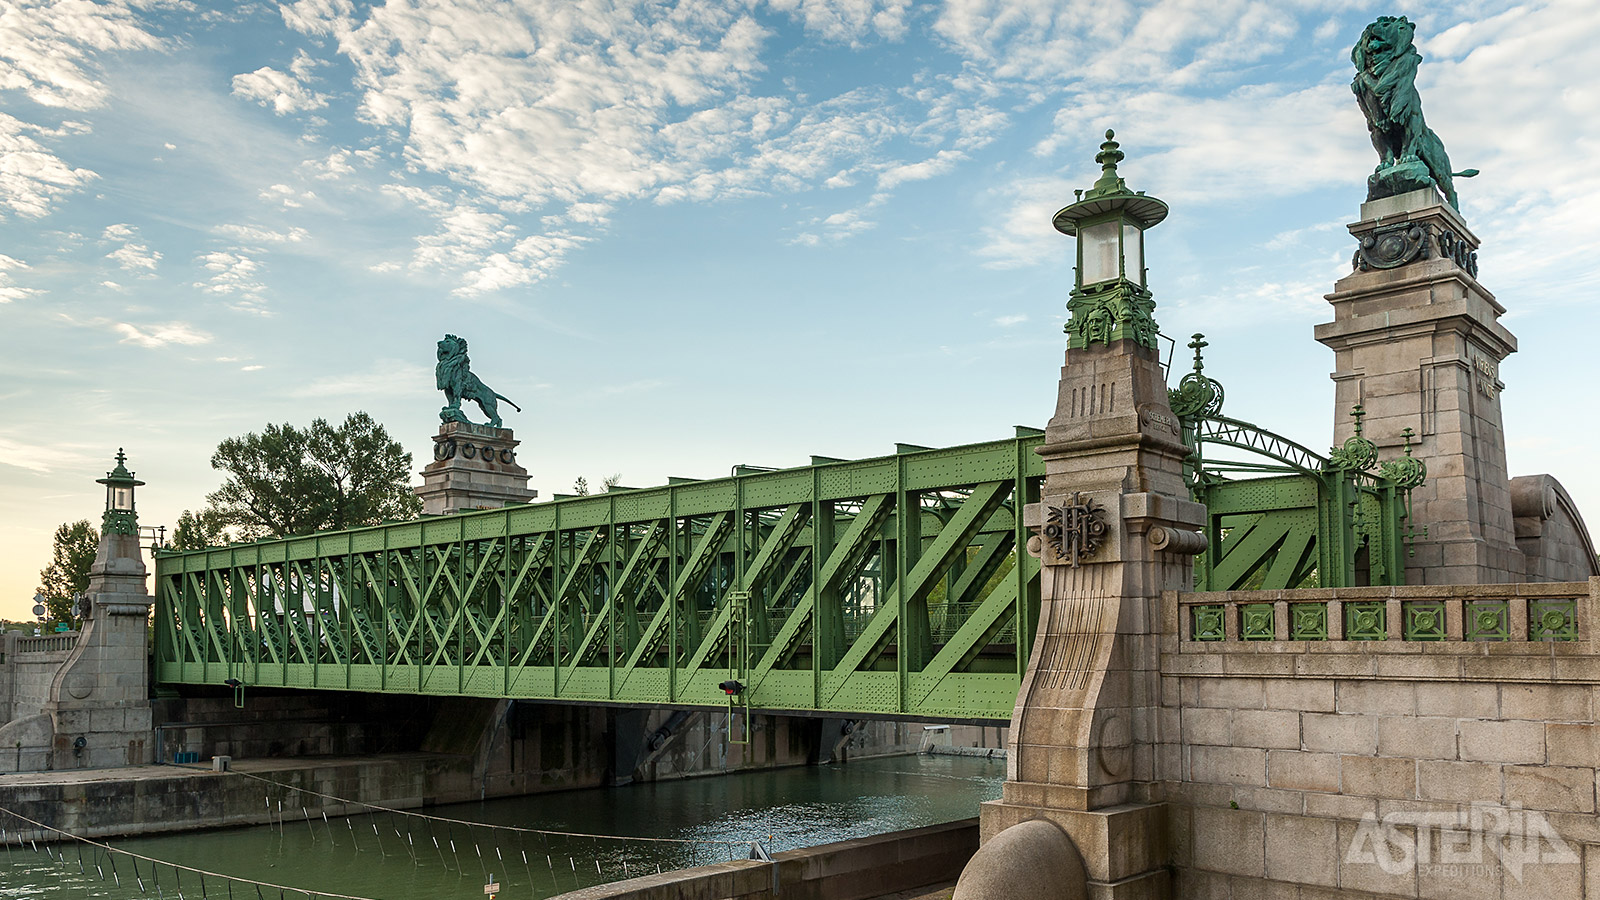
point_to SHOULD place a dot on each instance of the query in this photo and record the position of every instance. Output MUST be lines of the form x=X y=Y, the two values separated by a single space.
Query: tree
x=286 y=480
x=581 y=486
x=197 y=531
x=75 y=546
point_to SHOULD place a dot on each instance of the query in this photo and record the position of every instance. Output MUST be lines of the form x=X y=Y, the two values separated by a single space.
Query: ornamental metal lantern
x=1109 y=300
x=120 y=516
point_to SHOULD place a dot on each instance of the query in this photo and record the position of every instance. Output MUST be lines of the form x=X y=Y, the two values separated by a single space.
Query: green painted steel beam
x=888 y=586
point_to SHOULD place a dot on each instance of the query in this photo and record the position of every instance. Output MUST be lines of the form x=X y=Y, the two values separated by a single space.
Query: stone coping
x=856 y=869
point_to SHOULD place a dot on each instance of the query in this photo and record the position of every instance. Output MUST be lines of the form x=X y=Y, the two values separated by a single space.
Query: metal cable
x=176 y=866
x=469 y=824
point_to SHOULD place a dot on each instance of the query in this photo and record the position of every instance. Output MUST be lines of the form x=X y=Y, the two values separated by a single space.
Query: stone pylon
x=1114 y=528
x=99 y=705
x=474 y=467
x=1418 y=344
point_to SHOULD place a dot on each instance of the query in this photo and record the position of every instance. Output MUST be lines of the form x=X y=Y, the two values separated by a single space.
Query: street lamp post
x=120 y=517
x=1109 y=299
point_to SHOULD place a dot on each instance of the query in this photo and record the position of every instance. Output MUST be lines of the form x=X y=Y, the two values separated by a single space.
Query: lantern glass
x=1133 y=253
x=1098 y=245
x=121 y=497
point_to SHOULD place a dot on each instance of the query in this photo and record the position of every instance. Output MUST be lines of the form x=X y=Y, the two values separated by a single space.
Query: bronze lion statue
x=453 y=375
x=1386 y=62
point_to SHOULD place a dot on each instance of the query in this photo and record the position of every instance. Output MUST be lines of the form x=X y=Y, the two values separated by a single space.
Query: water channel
x=391 y=857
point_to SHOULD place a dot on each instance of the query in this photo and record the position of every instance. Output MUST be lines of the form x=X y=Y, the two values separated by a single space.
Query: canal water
x=397 y=857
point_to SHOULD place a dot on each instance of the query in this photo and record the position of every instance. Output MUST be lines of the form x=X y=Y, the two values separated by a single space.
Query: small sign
x=492 y=887
x=38 y=609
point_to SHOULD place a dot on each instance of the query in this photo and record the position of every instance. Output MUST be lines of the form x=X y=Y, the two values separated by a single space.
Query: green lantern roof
x=1110 y=193
x=120 y=475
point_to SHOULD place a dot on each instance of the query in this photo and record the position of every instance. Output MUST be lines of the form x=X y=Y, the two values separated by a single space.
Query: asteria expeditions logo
x=1482 y=840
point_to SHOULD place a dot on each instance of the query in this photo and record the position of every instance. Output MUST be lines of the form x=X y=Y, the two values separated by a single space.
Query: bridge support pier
x=1085 y=726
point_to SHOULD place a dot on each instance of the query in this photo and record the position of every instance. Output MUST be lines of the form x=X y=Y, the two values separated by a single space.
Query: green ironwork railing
x=887 y=586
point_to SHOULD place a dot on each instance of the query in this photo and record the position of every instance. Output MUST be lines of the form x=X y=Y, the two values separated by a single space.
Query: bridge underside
x=888 y=586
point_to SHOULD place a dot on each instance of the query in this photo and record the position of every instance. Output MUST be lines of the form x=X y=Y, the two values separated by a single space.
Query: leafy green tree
x=197 y=531
x=73 y=551
x=287 y=480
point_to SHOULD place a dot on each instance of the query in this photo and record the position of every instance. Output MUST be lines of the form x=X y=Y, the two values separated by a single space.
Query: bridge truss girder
x=888 y=586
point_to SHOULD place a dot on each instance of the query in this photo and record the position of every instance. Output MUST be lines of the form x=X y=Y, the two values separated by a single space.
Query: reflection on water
x=391 y=857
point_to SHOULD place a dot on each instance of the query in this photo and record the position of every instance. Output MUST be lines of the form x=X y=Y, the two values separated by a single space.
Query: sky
x=689 y=236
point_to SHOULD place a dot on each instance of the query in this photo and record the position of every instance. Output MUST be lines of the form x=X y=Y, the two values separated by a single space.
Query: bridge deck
x=886 y=586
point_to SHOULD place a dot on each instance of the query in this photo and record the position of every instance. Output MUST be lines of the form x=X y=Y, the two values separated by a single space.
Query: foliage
x=197 y=531
x=287 y=480
x=73 y=551
x=581 y=486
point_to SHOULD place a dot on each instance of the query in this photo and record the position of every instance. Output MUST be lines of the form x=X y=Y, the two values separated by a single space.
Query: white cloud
x=279 y=90
x=154 y=336
x=9 y=290
x=255 y=234
x=31 y=177
x=1008 y=321
x=234 y=276
x=47 y=49
x=658 y=104
x=288 y=197
x=849 y=20
x=47 y=52
x=132 y=255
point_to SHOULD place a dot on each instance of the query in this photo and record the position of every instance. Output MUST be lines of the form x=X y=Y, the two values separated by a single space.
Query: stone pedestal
x=1082 y=737
x=1418 y=344
x=100 y=699
x=474 y=467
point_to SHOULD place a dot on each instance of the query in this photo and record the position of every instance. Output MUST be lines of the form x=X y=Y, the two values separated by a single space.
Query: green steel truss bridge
x=880 y=587
x=883 y=587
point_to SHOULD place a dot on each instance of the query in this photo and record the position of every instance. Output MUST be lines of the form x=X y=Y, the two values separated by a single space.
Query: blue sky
x=690 y=236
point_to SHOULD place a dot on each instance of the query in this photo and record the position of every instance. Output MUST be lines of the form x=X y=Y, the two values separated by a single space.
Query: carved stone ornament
x=1390 y=248
x=1075 y=530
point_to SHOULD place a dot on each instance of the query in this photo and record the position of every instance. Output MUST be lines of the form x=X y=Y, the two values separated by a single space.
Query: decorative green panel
x=1487 y=620
x=1208 y=623
x=1424 y=620
x=1553 y=620
x=1256 y=621
x=1308 y=621
x=1366 y=620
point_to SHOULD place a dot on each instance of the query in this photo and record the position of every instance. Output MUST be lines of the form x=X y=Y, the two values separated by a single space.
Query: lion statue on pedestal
x=453 y=375
x=1410 y=154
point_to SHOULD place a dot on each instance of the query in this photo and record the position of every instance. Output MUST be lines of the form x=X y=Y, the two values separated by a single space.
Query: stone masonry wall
x=1279 y=757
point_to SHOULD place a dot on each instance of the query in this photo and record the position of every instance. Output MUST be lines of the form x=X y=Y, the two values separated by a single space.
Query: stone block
x=1556 y=788
x=1301 y=771
x=1269 y=728
x=1340 y=806
x=1228 y=765
x=1377 y=776
x=1386 y=698
x=1335 y=733
x=1460 y=701
x=1461 y=782
x=1202 y=725
x=1270 y=800
x=1546 y=702
x=1417 y=737
x=1231 y=841
x=1303 y=850
x=1506 y=742
x=1572 y=745
x=1374 y=865
x=1545 y=880
x=1300 y=694
x=1230 y=693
